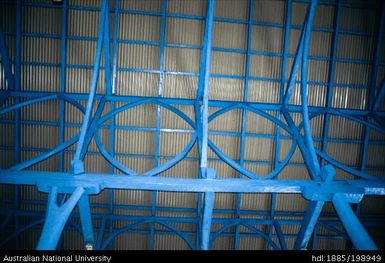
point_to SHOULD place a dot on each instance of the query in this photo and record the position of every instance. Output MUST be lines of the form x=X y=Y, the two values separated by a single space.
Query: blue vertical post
x=17 y=138
x=84 y=207
x=203 y=93
x=207 y=213
x=303 y=143
x=198 y=119
x=7 y=68
x=112 y=105
x=357 y=233
x=6 y=61
x=279 y=116
x=329 y=92
x=106 y=49
x=204 y=82
x=310 y=220
x=312 y=214
x=379 y=97
x=372 y=89
x=63 y=74
x=56 y=218
x=115 y=47
x=158 y=112
x=305 y=113
x=244 y=114
x=373 y=81
x=86 y=220
x=18 y=77
x=77 y=164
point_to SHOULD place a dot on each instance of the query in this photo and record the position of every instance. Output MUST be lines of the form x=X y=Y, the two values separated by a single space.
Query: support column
x=56 y=218
x=357 y=233
x=77 y=164
x=85 y=218
x=311 y=217
x=202 y=123
x=207 y=214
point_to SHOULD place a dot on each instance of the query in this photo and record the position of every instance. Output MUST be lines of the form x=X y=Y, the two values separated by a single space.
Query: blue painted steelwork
x=80 y=184
x=357 y=233
x=244 y=112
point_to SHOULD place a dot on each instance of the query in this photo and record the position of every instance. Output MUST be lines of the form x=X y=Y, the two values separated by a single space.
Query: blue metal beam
x=357 y=233
x=86 y=221
x=56 y=218
x=310 y=220
x=202 y=119
x=77 y=164
x=63 y=76
x=244 y=112
x=158 y=112
x=329 y=91
x=373 y=80
x=94 y=183
x=17 y=133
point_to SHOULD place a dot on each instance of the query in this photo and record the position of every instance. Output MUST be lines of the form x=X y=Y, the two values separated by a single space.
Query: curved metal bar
x=332 y=160
x=247 y=225
x=133 y=104
x=248 y=173
x=41 y=99
x=179 y=233
x=261 y=234
x=25 y=103
x=346 y=116
x=221 y=230
x=54 y=151
x=156 y=170
x=121 y=231
x=305 y=110
x=6 y=221
x=151 y=172
x=111 y=159
x=126 y=228
x=347 y=168
x=107 y=116
x=20 y=230
x=231 y=162
x=252 y=109
x=45 y=156
x=237 y=166
x=174 y=160
x=76 y=163
x=72 y=101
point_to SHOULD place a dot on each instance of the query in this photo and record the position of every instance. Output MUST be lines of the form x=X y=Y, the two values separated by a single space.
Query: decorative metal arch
x=80 y=184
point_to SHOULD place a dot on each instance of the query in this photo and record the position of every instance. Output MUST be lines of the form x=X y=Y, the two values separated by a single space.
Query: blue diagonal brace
x=56 y=218
x=357 y=233
x=85 y=218
x=311 y=217
x=76 y=164
x=313 y=212
x=207 y=213
x=281 y=236
x=380 y=96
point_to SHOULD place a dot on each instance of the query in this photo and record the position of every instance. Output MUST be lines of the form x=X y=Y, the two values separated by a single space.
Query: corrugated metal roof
x=136 y=148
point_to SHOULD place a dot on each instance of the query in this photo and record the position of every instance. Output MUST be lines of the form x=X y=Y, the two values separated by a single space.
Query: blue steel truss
x=78 y=184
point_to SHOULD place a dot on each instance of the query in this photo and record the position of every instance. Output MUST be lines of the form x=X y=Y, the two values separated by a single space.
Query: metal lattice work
x=192 y=124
